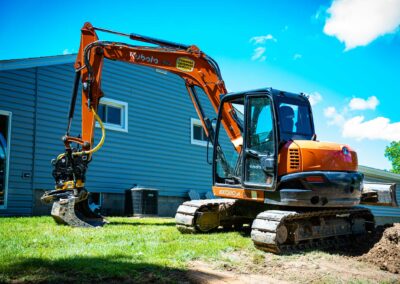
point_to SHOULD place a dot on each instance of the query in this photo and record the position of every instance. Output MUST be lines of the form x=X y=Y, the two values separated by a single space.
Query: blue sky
x=345 y=53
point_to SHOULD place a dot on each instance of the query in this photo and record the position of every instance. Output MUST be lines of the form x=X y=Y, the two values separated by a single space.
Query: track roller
x=206 y=215
x=288 y=231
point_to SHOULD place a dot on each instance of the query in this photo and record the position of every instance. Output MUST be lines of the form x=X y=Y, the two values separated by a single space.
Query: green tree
x=392 y=152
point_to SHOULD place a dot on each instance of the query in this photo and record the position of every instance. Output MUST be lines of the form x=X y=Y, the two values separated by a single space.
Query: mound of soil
x=386 y=252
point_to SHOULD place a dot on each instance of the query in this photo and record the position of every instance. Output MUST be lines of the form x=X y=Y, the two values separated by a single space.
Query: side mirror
x=267 y=164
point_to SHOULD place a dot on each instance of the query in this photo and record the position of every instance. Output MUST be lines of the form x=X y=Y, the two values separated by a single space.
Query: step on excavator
x=269 y=170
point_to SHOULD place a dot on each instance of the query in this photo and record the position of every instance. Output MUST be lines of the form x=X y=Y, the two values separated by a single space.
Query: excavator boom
x=196 y=69
x=188 y=62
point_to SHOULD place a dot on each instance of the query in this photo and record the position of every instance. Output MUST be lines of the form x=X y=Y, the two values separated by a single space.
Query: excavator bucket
x=68 y=211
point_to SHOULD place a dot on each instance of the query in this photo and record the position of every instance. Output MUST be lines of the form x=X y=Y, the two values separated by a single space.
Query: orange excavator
x=269 y=171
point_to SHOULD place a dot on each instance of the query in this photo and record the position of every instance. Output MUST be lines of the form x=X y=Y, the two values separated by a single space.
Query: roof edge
x=379 y=173
x=24 y=63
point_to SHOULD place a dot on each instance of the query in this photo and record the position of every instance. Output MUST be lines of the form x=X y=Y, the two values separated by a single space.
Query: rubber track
x=187 y=212
x=275 y=218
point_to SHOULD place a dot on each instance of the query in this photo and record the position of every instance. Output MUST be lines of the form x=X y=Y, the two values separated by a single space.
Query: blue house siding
x=155 y=152
x=17 y=95
x=384 y=213
x=54 y=84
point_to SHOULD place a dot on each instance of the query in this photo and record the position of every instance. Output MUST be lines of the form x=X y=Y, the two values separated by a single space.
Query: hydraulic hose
x=98 y=146
x=103 y=137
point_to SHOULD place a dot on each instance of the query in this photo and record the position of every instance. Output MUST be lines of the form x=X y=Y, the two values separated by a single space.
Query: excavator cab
x=268 y=120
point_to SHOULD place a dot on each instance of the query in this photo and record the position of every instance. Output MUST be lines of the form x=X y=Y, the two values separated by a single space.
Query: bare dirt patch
x=312 y=267
x=375 y=259
x=202 y=272
x=386 y=252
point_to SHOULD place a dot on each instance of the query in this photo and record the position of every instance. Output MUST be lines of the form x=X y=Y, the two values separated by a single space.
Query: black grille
x=144 y=201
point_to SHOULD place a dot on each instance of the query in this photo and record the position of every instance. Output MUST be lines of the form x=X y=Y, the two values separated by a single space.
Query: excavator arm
x=188 y=62
x=192 y=65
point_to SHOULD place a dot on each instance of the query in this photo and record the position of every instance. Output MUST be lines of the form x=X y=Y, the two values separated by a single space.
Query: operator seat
x=286 y=118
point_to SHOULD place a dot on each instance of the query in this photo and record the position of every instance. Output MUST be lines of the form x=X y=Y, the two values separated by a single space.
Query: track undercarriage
x=277 y=231
x=206 y=215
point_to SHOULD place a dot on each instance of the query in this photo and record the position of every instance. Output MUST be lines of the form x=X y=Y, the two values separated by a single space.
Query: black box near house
x=144 y=201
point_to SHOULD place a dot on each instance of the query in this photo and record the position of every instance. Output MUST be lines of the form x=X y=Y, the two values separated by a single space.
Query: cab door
x=260 y=144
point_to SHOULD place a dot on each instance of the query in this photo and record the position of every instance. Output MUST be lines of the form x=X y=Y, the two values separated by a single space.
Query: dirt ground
x=375 y=259
x=386 y=251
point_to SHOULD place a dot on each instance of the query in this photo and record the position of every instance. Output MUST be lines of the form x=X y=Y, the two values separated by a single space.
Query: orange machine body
x=300 y=156
x=307 y=155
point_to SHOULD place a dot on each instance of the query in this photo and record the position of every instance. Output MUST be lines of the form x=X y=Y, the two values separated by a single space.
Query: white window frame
x=197 y=122
x=124 y=115
x=9 y=114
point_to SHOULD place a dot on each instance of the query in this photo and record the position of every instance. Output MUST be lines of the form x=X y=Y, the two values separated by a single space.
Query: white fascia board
x=379 y=173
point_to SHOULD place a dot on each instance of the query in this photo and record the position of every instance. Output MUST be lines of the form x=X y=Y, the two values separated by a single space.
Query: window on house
x=5 y=133
x=198 y=135
x=114 y=114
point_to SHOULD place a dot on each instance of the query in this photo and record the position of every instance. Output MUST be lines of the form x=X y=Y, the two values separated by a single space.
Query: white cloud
x=66 y=51
x=335 y=118
x=314 y=98
x=359 y=22
x=317 y=15
x=378 y=128
x=297 y=56
x=361 y=104
x=262 y=39
x=258 y=54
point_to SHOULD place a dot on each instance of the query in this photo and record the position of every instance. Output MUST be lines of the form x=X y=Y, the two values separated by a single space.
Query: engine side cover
x=306 y=155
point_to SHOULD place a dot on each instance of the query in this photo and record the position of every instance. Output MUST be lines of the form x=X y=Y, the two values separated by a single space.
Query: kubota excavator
x=268 y=168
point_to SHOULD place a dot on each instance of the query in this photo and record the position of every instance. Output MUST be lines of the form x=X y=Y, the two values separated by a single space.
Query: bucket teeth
x=76 y=214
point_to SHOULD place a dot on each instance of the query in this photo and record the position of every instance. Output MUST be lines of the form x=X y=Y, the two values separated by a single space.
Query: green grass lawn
x=126 y=250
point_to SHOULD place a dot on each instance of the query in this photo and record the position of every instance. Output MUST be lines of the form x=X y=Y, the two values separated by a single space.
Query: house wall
x=17 y=95
x=383 y=214
x=156 y=151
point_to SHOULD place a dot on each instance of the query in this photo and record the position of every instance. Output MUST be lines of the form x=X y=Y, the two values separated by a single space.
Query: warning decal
x=185 y=64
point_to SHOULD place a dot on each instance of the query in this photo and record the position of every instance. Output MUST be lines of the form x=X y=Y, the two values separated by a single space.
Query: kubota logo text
x=140 y=57
x=228 y=192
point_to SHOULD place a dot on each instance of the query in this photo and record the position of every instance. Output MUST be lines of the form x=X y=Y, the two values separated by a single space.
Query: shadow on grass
x=112 y=269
